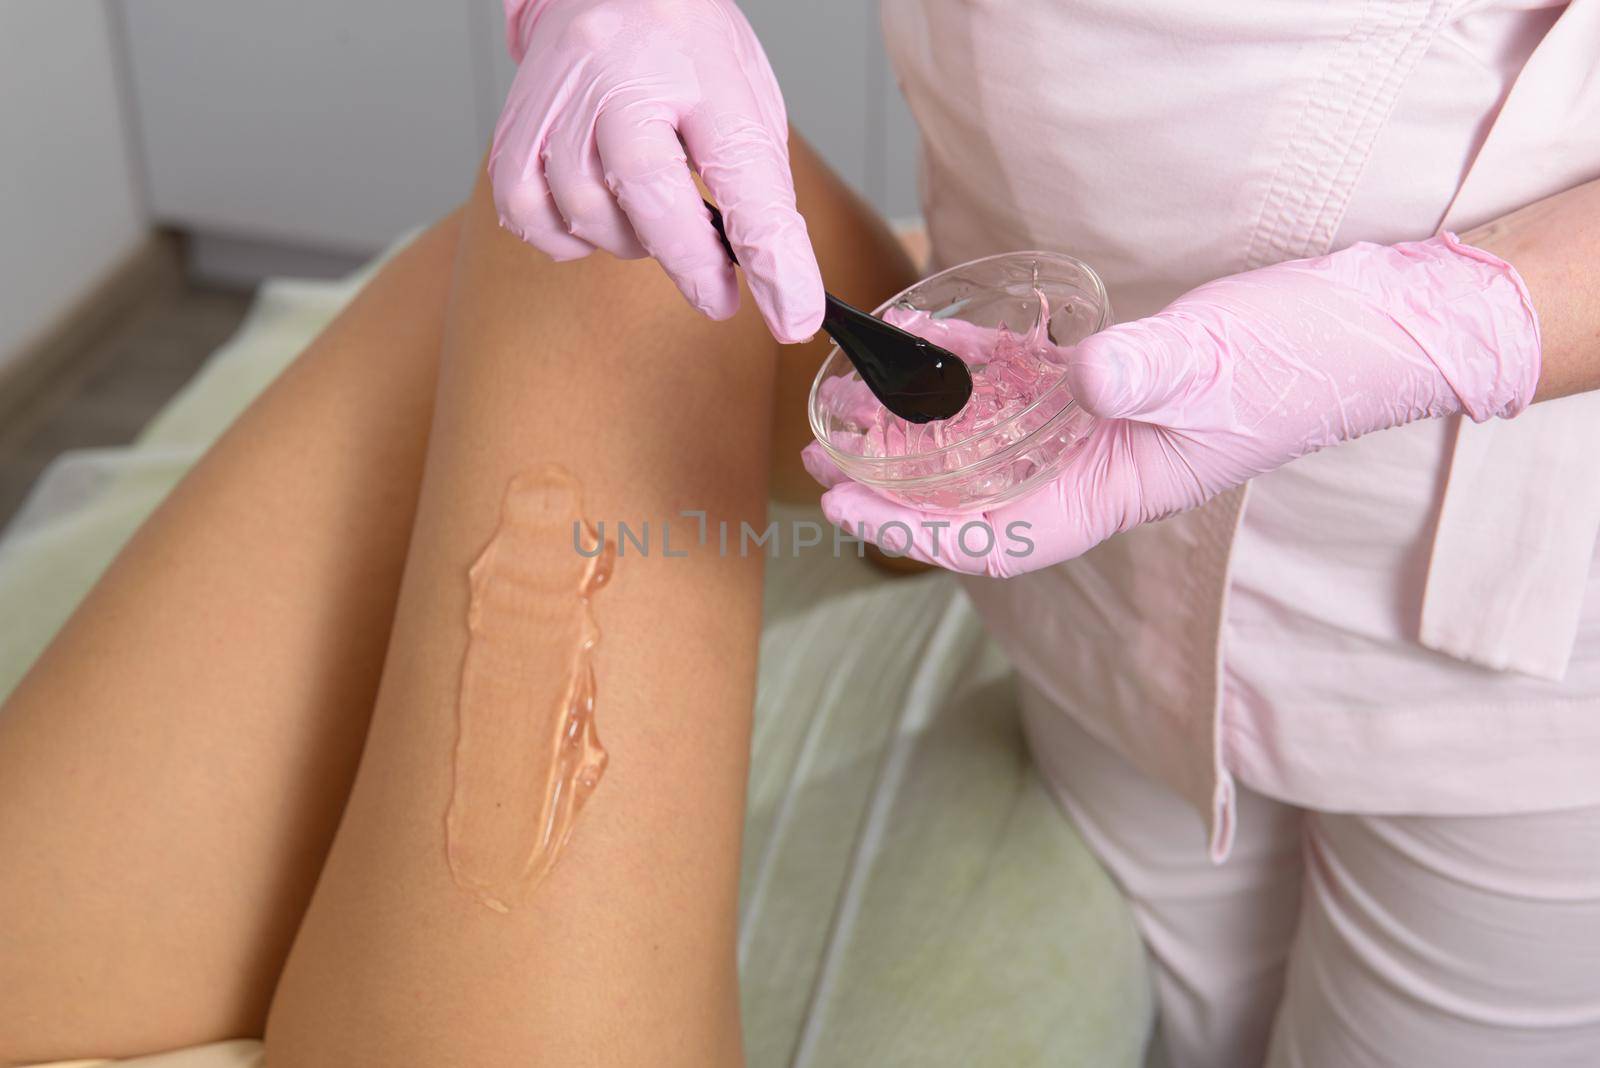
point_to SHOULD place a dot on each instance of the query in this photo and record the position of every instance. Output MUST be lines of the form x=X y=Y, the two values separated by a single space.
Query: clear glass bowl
x=999 y=462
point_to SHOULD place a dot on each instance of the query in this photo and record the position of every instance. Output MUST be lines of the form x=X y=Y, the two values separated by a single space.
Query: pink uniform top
x=1403 y=623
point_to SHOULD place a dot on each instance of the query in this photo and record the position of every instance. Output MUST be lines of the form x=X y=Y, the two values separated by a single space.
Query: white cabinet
x=335 y=125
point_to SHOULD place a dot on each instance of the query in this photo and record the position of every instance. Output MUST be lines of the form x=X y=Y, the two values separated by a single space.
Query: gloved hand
x=588 y=154
x=1239 y=377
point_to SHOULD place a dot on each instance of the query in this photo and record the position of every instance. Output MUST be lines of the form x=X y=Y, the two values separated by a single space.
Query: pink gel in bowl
x=1010 y=318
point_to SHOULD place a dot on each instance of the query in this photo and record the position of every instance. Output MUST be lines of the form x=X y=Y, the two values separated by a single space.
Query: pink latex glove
x=1236 y=378
x=590 y=149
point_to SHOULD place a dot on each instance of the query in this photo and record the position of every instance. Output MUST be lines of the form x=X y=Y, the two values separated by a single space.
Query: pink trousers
x=1346 y=941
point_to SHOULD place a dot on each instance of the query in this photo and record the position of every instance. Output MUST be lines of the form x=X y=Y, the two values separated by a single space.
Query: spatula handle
x=722 y=233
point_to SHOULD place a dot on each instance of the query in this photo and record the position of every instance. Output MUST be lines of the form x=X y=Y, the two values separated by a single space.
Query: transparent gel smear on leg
x=527 y=754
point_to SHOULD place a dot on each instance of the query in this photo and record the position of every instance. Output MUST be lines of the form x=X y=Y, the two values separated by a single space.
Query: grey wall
x=334 y=123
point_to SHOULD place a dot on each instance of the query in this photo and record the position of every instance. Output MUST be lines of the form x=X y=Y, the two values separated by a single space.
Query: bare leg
x=625 y=954
x=171 y=771
x=173 y=767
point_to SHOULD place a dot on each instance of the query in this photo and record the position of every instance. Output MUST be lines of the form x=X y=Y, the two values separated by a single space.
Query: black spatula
x=912 y=377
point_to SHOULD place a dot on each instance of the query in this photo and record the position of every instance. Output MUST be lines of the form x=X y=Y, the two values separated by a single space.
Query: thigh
x=654 y=411
x=623 y=951
x=1465 y=941
x=1219 y=934
x=173 y=767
